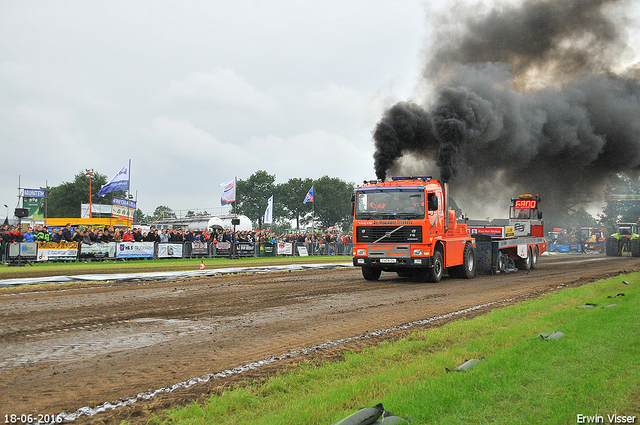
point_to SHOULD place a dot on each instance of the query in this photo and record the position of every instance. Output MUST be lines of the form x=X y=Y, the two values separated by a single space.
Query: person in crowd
x=3 y=230
x=117 y=235
x=92 y=235
x=57 y=236
x=164 y=236
x=100 y=236
x=137 y=235
x=86 y=239
x=67 y=233
x=128 y=236
x=77 y=236
x=28 y=235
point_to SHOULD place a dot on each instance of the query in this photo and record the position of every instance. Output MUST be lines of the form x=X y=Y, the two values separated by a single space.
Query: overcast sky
x=196 y=93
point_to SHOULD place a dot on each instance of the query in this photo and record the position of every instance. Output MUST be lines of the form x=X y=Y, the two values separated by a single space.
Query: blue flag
x=119 y=182
x=309 y=197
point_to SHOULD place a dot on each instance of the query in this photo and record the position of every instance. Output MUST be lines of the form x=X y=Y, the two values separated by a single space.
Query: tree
x=620 y=211
x=162 y=211
x=290 y=196
x=332 y=198
x=253 y=194
x=65 y=199
x=138 y=216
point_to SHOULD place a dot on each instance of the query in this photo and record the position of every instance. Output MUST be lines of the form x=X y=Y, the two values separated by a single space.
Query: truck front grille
x=388 y=234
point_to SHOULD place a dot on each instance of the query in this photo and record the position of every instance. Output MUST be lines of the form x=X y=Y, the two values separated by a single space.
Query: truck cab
x=403 y=226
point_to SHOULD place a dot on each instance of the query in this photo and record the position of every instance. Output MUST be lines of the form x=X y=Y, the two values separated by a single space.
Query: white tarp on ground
x=165 y=275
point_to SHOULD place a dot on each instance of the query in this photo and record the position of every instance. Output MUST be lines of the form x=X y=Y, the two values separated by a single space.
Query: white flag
x=228 y=192
x=268 y=213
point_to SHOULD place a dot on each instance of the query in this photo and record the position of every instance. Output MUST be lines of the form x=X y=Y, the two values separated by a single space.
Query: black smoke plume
x=526 y=99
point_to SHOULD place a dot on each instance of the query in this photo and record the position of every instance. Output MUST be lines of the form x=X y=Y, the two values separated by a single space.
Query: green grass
x=593 y=370
x=140 y=266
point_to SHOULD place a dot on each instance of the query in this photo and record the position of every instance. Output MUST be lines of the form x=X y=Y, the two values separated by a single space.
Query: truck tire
x=369 y=273
x=434 y=273
x=467 y=270
x=534 y=259
x=524 y=263
x=612 y=247
x=634 y=247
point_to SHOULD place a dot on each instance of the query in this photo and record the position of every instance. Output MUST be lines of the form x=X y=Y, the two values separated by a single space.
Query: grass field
x=164 y=265
x=593 y=371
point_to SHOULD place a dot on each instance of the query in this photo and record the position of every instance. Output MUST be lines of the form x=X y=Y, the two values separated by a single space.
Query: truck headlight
x=362 y=252
x=417 y=252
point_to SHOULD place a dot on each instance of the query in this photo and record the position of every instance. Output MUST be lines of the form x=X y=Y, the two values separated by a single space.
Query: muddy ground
x=64 y=347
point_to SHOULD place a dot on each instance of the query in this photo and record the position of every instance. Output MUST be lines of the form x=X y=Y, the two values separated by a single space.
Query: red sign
x=528 y=204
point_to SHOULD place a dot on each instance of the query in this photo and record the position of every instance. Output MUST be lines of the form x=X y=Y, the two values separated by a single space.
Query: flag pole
x=129 y=194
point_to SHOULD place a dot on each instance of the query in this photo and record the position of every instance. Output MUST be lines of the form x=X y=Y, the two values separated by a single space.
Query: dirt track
x=65 y=347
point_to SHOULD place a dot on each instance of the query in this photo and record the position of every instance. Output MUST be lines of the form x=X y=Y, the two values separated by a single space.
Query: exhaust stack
x=445 y=189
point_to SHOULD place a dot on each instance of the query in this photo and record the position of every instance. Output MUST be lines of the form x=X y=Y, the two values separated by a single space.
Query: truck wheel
x=634 y=247
x=467 y=270
x=612 y=247
x=434 y=274
x=369 y=273
x=534 y=259
x=502 y=263
x=524 y=263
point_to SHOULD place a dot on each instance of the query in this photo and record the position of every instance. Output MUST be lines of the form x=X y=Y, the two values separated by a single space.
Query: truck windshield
x=389 y=203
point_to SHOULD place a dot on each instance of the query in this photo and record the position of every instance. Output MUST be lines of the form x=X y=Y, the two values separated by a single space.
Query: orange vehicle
x=404 y=226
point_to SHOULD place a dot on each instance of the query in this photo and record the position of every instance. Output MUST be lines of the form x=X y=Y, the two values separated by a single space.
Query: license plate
x=388 y=260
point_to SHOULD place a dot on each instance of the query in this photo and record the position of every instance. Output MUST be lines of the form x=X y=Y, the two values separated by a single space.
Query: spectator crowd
x=327 y=242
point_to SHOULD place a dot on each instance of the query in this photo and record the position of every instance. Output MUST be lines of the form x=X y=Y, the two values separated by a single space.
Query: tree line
x=331 y=205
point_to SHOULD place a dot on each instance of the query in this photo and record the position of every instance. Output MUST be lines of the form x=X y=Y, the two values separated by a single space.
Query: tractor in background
x=625 y=239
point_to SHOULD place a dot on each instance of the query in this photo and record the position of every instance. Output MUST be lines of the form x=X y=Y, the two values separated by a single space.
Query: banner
x=25 y=250
x=245 y=249
x=98 y=250
x=268 y=213
x=228 y=192
x=53 y=251
x=35 y=205
x=199 y=248
x=309 y=197
x=285 y=248
x=170 y=250
x=123 y=208
x=119 y=182
x=223 y=249
x=135 y=250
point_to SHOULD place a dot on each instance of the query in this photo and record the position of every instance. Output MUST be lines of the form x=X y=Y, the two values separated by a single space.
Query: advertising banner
x=223 y=249
x=199 y=248
x=245 y=249
x=302 y=251
x=123 y=208
x=53 y=251
x=25 y=250
x=98 y=250
x=35 y=206
x=285 y=248
x=170 y=250
x=267 y=250
x=135 y=250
